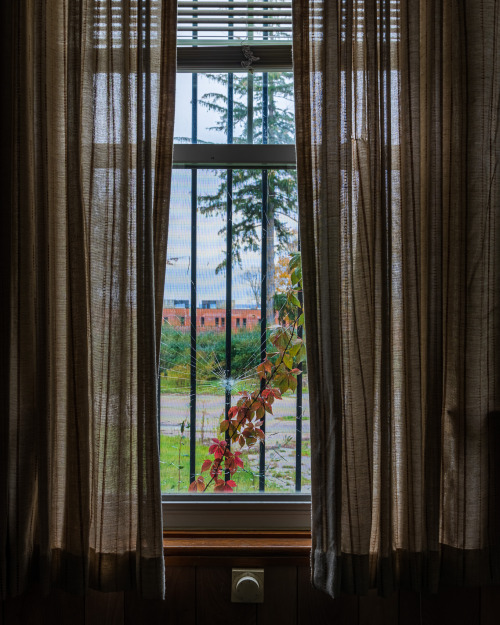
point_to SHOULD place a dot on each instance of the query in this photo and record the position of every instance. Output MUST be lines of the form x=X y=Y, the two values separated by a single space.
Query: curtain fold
x=397 y=115
x=80 y=486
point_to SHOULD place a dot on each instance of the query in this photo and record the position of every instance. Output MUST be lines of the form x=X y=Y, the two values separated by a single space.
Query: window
x=234 y=160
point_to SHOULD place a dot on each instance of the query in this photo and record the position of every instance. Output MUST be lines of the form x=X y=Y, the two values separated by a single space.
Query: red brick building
x=212 y=318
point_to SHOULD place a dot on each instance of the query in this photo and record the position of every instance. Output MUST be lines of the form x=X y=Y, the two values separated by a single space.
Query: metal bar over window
x=194 y=209
x=229 y=255
x=263 y=314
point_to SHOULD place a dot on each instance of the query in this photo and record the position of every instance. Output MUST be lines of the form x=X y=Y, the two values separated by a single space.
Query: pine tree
x=247 y=183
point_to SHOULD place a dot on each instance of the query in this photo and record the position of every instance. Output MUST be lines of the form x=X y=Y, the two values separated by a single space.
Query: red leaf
x=227 y=488
x=193 y=486
x=206 y=465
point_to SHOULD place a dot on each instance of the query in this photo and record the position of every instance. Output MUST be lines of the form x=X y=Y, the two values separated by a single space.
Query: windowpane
x=214 y=94
x=210 y=362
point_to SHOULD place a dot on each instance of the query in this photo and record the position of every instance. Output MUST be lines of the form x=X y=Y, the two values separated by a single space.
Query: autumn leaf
x=237 y=460
x=206 y=465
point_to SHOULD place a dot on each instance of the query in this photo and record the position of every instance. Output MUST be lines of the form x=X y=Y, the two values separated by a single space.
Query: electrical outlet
x=247 y=586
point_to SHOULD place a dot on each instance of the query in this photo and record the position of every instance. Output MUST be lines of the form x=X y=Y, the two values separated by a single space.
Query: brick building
x=212 y=318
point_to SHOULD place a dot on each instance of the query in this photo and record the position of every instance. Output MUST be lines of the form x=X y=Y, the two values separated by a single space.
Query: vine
x=278 y=374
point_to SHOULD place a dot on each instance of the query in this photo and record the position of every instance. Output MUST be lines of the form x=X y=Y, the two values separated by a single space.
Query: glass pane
x=212 y=320
x=216 y=97
x=175 y=341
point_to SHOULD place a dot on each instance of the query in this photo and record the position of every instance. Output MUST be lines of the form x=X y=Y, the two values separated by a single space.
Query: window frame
x=259 y=511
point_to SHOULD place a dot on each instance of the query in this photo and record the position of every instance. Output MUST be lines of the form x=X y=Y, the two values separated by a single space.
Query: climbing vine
x=278 y=374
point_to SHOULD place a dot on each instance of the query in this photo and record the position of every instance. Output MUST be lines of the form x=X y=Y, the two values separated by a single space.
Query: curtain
x=86 y=246
x=398 y=157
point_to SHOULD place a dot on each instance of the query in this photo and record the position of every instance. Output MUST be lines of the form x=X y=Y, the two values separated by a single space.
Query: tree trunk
x=270 y=268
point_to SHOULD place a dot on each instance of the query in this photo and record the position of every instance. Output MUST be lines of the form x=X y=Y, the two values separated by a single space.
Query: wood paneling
x=375 y=610
x=25 y=610
x=202 y=596
x=318 y=608
x=104 y=607
x=460 y=606
x=490 y=605
x=213 y=599
x=280 y=596
x=409 y=608
x=63 y=607
x=179 y=608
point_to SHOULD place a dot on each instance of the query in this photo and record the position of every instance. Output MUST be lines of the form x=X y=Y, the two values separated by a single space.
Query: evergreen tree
x=247 y=183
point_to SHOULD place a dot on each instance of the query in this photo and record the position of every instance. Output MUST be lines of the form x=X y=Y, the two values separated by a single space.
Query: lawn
x=175 y=475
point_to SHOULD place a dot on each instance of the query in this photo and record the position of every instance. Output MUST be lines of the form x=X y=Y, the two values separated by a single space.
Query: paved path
x=280 y=431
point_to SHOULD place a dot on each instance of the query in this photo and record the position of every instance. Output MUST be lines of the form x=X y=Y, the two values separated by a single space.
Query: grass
x=175 y=477
x=211 y=387
x=290 y=418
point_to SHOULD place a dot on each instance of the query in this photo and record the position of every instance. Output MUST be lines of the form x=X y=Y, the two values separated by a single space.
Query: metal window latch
x=250 y=58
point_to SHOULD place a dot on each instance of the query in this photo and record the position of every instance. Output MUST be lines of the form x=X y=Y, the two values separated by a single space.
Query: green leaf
x=283 y=384
x=294 y=260
x=288 y=360
x=292 y=298
x=292 y=382
x=301 y=355
x=300 y=321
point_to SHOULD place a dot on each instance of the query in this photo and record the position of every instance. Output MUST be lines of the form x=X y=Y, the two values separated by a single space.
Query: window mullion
x=194 y=220
x=298 y=418
x=229 y=255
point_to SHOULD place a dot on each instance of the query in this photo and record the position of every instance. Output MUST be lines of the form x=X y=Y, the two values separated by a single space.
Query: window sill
x=246 y=512
x=236 y=548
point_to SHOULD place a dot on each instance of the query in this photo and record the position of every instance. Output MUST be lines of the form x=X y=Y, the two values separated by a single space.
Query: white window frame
x=257 y=511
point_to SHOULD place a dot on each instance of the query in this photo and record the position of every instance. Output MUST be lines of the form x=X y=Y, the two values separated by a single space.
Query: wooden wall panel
x=460 y=606
x=63 y=607
x=25 y=610
x=202 y=596
x=318 y=608
x=213 y=599
x=104 y=607
x=409 y=608
x=490 y=605
x=280 y=596
x=375 y=610
x=179 y=608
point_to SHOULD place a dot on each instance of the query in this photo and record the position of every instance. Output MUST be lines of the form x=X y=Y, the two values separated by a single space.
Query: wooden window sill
x=191 y=548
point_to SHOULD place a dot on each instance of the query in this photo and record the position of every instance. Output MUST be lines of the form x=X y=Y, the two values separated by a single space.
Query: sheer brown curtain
x=398 y=156
x=86 y=244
